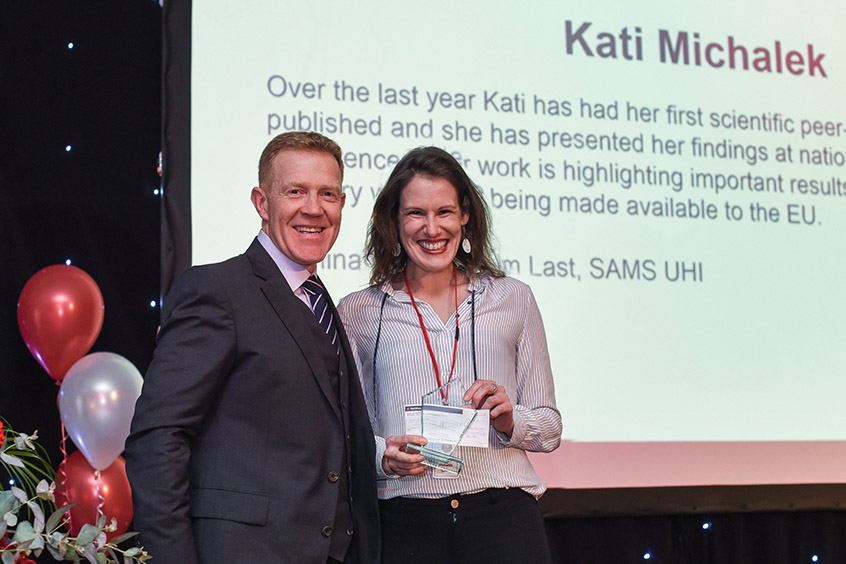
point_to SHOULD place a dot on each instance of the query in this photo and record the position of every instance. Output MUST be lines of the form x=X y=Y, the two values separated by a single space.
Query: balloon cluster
x=60 y=314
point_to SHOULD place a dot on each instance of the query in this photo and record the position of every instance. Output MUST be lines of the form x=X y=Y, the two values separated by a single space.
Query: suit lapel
x=294 y=314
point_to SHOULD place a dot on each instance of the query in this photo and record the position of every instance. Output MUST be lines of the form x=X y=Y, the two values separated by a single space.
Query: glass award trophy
x=443 y=425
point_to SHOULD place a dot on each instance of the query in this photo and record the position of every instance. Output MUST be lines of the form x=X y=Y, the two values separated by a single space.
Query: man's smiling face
x=301 y=206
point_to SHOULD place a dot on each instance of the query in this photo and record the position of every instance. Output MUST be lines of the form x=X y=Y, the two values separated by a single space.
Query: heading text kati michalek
x=682 y=47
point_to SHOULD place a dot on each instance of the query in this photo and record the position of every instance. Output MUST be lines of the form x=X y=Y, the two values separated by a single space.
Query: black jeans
x=493 y=526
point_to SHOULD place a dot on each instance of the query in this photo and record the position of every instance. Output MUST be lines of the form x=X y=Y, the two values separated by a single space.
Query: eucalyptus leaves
x=25 y=461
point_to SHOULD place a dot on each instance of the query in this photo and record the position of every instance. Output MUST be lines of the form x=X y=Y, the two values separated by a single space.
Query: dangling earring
x=397 y=250
x=465 y=245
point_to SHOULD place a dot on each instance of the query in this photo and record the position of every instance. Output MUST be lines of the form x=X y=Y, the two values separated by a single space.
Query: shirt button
x=349 y=532
x=454 y=504
x=327 y=531
x=334 y=476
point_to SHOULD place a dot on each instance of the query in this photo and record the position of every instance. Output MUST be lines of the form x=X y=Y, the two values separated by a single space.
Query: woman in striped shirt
x=440 y=311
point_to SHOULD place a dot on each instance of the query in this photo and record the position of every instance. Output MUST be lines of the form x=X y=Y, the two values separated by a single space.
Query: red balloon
x=60 y=314
x=81 y=487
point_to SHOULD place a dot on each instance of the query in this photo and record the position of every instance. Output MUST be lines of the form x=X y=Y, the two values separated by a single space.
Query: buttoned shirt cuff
x=517 y=434
x=380 y=453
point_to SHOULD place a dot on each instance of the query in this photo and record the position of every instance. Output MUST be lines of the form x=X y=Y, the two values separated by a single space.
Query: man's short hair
x=296 y=141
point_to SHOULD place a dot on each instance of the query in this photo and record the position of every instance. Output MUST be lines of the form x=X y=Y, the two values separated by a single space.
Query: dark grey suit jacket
x=238 y=436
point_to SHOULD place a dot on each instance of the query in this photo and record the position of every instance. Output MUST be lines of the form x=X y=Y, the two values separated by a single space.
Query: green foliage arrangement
x=27 y=463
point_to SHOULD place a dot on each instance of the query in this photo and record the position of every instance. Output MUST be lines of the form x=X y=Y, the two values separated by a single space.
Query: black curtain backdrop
x=96 y=205
x=731 y=538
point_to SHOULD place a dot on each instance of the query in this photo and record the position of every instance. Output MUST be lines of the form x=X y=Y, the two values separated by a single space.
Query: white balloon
x=96 y=402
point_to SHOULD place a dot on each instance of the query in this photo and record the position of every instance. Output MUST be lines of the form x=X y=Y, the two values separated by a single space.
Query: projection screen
x=668 y=178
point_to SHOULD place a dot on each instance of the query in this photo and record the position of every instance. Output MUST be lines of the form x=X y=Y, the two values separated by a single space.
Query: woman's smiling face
x=430 y=221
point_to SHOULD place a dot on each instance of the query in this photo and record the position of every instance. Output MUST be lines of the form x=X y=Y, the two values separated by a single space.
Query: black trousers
x=493 y=526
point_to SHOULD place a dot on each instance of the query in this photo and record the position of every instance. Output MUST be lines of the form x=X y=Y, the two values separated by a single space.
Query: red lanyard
x=444 y=393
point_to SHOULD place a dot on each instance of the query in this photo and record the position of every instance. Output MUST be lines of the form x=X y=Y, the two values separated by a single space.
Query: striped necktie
x=320 y=307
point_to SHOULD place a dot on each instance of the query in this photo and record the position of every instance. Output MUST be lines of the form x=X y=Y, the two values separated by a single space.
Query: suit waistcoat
x=342 y=528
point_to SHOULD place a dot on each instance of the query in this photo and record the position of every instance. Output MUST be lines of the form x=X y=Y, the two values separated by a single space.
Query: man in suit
x=251 y=441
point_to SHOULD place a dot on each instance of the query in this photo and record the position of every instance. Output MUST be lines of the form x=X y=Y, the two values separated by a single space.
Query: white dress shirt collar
x=295 y=274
